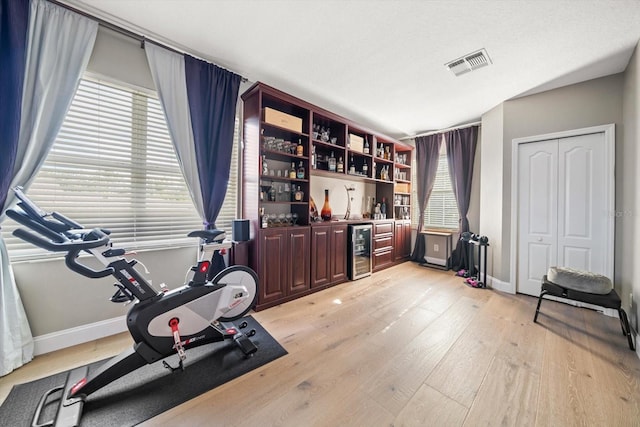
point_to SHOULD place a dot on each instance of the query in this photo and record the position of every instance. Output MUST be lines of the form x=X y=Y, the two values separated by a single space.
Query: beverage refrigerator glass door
x=359 y=263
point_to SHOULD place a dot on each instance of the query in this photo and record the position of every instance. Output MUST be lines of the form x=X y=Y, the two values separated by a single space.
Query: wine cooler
x=359 y=263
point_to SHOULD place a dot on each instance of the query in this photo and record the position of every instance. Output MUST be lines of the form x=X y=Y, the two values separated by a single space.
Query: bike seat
x=208 y=235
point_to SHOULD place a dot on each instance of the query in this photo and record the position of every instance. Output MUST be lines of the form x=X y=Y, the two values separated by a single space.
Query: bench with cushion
x=584 y=287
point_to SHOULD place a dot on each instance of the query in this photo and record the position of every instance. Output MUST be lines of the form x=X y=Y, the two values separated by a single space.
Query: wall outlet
x=436 y=248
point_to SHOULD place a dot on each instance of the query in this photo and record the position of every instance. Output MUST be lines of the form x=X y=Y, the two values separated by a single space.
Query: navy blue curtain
x=213 y=95
x=461 y=152
x=427 y=156
x=14 y=21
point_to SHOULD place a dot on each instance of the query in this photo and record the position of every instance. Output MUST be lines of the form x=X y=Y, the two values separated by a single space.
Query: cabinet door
x=298 y=260
x=398 y=243
x=320 y=264
x=338 y=253
x=273 y=265
x=407 y=239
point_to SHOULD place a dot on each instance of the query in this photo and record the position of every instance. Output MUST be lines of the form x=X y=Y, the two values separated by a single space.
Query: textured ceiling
x=381 y=63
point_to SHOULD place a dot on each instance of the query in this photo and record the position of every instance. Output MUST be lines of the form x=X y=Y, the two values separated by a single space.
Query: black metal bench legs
x=611 y=300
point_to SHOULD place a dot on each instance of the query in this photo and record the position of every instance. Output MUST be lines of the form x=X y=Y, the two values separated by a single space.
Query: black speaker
x=240 y=231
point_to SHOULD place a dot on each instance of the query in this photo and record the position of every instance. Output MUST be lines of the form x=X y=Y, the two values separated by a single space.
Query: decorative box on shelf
x=283 y=120
x=356 y=143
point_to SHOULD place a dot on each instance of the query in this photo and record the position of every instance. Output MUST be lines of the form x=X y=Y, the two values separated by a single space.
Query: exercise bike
x=162 y=323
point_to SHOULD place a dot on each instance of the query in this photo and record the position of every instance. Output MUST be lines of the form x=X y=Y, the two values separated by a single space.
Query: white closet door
x=582 y=205
x=538 y=213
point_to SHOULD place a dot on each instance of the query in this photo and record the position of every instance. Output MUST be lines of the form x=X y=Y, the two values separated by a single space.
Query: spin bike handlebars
x=60 y=234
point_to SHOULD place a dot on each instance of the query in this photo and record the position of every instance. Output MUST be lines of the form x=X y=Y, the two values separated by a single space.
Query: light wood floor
x=411 y=346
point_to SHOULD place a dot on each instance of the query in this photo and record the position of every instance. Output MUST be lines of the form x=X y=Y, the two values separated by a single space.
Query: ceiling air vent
x=469 y=62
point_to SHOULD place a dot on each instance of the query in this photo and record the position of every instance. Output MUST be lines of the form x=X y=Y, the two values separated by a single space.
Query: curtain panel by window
x=167 y=70
x=16 y=343
x=427 y=154
x=199 y=100
x=461 y=151
x=212 y=93
x=58 y=45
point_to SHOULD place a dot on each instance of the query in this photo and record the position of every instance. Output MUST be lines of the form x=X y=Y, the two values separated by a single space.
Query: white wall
x=591 y=103
x=491 y=191
x=628 y=201
x=55 y=298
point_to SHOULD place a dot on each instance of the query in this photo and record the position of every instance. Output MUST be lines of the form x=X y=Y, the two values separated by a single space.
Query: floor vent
x=469 y=62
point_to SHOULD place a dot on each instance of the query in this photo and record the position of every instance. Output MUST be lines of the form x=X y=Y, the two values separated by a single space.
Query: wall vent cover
x=469 y=62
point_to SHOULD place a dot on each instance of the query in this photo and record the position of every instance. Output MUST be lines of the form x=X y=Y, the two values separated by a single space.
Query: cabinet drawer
x=382 y=228
x=382 y=243
x=382 y=259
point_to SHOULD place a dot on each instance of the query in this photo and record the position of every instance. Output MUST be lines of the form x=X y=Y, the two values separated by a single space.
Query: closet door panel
x=537 y=206
x=582 y=203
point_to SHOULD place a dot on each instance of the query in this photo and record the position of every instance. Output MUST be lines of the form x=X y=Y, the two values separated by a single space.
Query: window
x=113 y=166
x=442 y=209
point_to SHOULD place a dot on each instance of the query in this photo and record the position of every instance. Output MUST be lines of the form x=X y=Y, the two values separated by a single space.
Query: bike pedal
x=246 y=345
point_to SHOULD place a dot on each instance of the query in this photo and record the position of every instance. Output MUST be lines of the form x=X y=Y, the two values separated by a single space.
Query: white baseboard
x=69 y=337
x=499 y=285
x=436 y=261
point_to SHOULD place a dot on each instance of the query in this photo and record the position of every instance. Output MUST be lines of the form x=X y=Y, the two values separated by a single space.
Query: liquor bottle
x=352 y=166
x=292 y=172
x=366 y=147
x=300 y=172
x=383 y=208
x=293 y=193
x=332 y=163
x=340 y=166
x=365 y=168
x=325 y=213
x=265 y=168
x=387 y=153
x=263 y=219
x=300 y=148
x=299 y=195
x=272 y=193
x=313 y=157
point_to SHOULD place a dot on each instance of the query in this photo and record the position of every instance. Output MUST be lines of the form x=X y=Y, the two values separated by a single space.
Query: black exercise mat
x=152 y=389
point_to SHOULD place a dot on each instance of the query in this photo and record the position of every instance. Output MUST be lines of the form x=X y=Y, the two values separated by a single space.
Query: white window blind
x=442 y=209
x=113 y=166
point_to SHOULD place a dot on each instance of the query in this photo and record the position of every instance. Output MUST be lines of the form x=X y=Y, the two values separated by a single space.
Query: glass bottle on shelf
x=313 y=157
x=340 y=167
x=383 y=208
x=300 y=148
x=293 y=193
x=263 y=219
x=332 y=163
x=352 y=166
x=265 y=168
x=365 y=168
x=292 y=172
x=272 y=193
x=387 y=153
x=299 y=195
x=366 y=147
x=300 y=171
x=325 y=213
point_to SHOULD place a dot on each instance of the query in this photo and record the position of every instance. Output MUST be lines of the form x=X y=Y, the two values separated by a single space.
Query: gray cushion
x=582 y=281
